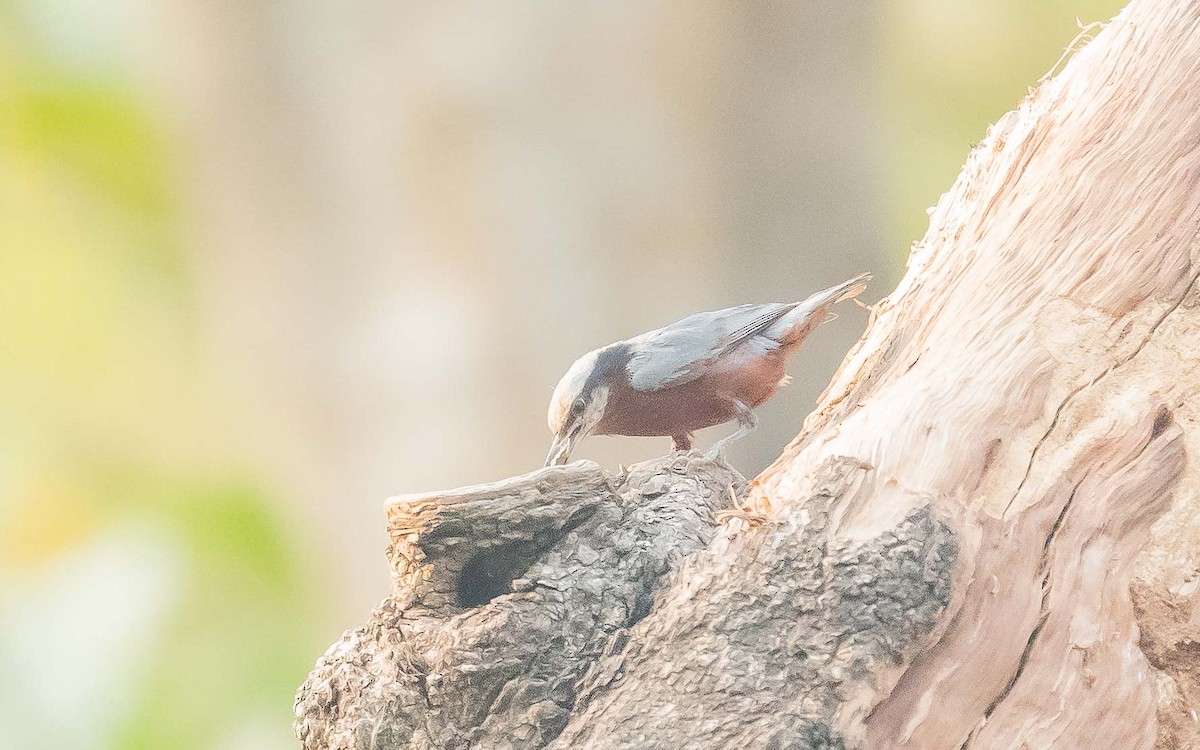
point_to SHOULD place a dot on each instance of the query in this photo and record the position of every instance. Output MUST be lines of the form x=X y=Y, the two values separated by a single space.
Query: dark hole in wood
x=1162 y=420
x=489 y=574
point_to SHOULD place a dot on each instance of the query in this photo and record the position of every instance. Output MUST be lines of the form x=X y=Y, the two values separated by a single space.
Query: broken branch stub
x=504 y=594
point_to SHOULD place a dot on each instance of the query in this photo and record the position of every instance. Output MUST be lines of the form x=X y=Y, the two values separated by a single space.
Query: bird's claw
x=679 y=461
x=716 y=452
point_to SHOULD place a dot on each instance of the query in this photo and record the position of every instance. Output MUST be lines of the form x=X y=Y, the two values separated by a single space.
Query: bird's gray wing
x=676 y=354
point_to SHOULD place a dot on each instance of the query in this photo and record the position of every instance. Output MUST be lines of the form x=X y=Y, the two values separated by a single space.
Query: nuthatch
x=704 y=370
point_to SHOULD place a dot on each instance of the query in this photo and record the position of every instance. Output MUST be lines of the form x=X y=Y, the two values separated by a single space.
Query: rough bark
x=985 y=536
x=504 y=594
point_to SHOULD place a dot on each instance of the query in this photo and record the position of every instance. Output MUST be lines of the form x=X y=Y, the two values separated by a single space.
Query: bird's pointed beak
x=560 y=450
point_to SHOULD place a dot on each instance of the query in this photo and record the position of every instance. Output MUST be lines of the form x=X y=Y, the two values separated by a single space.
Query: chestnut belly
x=701 y=403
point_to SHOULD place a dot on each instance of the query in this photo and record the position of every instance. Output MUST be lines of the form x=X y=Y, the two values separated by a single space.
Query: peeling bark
x=984 y=536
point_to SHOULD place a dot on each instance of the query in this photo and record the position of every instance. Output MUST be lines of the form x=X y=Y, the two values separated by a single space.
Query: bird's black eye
x=578 y=407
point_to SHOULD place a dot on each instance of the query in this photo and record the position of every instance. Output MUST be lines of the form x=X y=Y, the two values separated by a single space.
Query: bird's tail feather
x=792 y=328
x=835 y=294
x=848 y=289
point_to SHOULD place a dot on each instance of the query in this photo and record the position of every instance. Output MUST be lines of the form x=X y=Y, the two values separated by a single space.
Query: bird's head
x=577 y=406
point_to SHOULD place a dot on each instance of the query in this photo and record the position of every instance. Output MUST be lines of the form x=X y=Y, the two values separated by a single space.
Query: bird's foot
x=717 y=451
x=747 y=423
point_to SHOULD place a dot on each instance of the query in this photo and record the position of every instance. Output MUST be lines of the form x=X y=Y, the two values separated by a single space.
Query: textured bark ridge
x=987 y=534
x=504 y=595
x=761 y=640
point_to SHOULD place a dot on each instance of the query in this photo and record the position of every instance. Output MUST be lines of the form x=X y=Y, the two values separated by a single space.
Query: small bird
x=704 y=370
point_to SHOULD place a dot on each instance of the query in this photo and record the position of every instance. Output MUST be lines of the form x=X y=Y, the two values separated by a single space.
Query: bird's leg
x=682 y=442
x=746 y=424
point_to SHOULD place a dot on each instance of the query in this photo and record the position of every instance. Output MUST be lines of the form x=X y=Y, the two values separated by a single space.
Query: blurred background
x=263 y=265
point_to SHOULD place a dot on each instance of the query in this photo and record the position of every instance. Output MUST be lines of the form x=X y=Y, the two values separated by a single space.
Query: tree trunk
x=984 y=536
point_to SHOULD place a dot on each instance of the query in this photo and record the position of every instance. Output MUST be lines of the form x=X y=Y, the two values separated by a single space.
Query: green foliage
x=110 y=421
x=240 y=638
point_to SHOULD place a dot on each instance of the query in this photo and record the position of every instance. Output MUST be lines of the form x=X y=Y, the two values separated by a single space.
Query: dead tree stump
x=987 y=535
